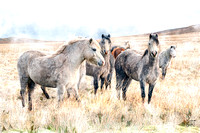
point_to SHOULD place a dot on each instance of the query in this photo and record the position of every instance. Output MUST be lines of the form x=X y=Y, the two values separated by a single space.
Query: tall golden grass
x=175 y=101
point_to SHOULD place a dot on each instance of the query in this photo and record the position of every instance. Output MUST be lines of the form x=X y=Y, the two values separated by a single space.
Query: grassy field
x=175 y=105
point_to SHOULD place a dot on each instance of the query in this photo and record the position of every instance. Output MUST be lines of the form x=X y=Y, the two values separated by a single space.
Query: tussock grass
x=175 y=105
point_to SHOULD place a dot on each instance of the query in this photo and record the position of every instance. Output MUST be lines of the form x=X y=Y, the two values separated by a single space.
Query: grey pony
x=102 y=72
x=165 y=59
x=143 y=68
x=59 y=70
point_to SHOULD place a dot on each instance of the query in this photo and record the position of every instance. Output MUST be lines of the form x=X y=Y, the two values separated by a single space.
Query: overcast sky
x=63 y=19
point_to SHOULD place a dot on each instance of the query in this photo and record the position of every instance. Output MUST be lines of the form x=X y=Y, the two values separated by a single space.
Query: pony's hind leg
x=23 y=83
x=31 y=86
x=125 y=87
x=120 y=78
x=109 y=79
x=45 y=92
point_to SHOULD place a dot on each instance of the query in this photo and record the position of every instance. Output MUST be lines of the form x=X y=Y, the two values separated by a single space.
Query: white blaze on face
x=107 y=45
x=153 y=48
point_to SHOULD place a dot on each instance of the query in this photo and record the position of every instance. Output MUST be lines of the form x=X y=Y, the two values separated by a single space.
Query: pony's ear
x=173 y=47
x=108 y=35
x=153 y=34
x=102 y=36
x=150 y=36
x=90 y=40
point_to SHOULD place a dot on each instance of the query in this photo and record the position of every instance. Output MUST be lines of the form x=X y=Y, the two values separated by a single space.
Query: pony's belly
x=46 y=82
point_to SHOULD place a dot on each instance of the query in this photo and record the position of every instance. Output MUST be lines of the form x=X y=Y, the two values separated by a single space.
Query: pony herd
x=65 y=68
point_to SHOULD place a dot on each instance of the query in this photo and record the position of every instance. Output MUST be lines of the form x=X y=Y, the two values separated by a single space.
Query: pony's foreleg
x=76 y=94
x=142 y=86
x=60 y=92
x=23 y=83
x=68 y=93
x=81 y=73
x=164 y=71
x=96 y=85
x=79 y=82
x=110 y=79
x=151 y=86
x=45 y=92
x=81 y=76
x=102 y=82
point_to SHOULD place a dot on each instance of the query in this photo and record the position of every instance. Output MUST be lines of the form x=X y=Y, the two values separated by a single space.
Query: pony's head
x=127 y=45
x=92 y=53
x=172 y=51
x=105 y=44
x=153 y=45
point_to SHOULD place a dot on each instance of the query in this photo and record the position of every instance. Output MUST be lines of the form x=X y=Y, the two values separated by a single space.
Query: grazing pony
x=117 y=50
x=165 y=59
x=143 y=68
x=103 y=71
x=58 y=70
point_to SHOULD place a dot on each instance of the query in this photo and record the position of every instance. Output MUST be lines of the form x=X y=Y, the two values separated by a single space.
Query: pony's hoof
x=143 y=100
x=30 y=108
x=78 y=100
x=163 y=78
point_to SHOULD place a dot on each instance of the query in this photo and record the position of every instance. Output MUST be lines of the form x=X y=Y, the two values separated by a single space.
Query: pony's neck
x=107 y=58
x=153 y=61
x=75 y=56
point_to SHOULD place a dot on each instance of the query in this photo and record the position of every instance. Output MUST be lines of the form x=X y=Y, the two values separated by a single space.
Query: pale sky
x=63 y=19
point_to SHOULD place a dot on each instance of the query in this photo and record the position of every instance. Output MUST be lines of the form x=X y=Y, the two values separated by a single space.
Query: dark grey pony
x=165 y=59
x=59 y=70
x=101 y=72
x=131 y=65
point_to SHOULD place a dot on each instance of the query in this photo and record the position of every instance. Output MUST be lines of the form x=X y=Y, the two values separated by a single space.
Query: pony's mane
x=75 y=40
x=63 y=47
x=145 y=53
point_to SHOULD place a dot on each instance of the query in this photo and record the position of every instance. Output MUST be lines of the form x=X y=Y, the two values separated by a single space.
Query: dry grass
x=175 y=102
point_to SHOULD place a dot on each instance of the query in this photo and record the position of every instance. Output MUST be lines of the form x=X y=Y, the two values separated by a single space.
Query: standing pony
x=165 y=59
x=103 y=71
x=59 y=70
x=131 y=65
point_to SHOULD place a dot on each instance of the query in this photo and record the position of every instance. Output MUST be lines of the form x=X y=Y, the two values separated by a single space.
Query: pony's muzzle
x=153 y=54
x=106 y=52
x=101 y=63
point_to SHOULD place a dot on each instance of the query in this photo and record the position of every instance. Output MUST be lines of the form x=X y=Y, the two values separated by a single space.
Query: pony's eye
x=94 y=49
